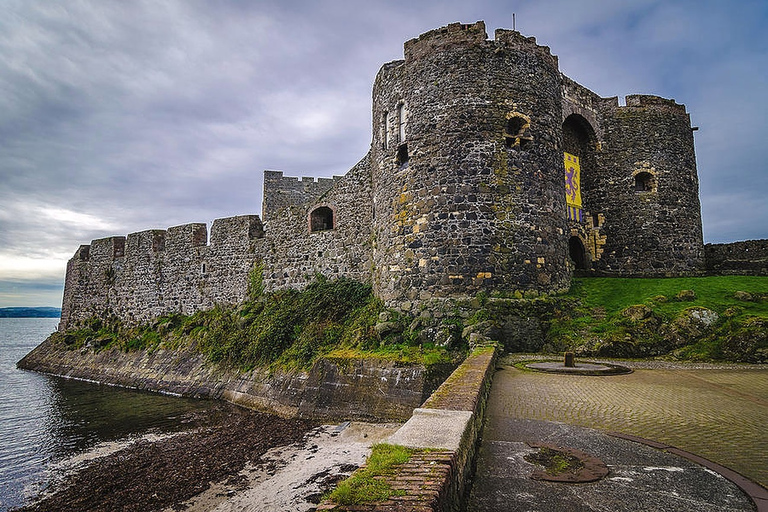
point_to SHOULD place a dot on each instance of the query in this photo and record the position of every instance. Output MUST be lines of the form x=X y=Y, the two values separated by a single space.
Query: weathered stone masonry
x=147 y=274
x=462 y=191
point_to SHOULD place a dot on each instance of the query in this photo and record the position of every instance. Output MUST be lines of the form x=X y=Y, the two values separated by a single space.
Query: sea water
x=45 y=420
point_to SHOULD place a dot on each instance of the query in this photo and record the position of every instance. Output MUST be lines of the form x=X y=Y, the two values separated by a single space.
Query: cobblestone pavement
x=719 y=412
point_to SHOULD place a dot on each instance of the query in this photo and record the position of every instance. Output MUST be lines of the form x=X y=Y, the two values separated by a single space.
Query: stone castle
x=489 y=171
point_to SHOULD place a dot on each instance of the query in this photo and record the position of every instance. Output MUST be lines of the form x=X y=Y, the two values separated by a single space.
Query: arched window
x=321 y=219
x=514 y=134
x=645 y=182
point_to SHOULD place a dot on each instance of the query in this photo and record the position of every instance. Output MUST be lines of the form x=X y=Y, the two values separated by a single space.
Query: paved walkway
x=720 y=413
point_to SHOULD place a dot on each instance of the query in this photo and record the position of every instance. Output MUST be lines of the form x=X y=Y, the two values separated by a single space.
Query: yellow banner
x=572 y=181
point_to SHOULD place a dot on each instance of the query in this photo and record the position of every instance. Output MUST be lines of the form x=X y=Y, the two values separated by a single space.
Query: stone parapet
x=749 y=257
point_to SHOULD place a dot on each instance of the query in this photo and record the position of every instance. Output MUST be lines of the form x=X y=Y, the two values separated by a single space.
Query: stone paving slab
x=719 y=413
x=433 y=428
x=641 y=478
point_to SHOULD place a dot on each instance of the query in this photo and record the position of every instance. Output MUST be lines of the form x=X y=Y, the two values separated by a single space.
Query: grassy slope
x=603 y=324
x=337 y=318
x=287 y=329
x=716 y=293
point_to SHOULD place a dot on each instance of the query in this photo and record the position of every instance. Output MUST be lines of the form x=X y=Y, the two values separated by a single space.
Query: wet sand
x=231 y=459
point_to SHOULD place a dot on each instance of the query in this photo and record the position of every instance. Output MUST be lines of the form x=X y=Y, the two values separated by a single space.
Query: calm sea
x=45 y=421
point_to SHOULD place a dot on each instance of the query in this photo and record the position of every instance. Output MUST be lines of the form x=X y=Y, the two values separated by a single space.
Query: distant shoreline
x=30 y=312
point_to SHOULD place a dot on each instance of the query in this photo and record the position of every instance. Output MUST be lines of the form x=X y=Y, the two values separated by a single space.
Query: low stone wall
x=444 y=432
x=364 y=389
x=749 y=257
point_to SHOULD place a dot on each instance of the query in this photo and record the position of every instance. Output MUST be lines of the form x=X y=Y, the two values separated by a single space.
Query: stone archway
x=577 y=253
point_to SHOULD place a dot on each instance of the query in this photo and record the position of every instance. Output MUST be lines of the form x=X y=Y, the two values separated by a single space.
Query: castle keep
x=489 y=171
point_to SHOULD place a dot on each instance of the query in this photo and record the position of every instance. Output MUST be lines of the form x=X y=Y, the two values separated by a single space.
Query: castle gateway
x=489 y=171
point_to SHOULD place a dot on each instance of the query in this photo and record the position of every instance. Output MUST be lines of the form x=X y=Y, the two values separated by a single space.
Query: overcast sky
x=120 y=116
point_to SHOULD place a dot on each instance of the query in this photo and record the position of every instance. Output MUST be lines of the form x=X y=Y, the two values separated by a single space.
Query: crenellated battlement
x=147 y=242
x=460 y=35
x=657 y=102
x=644 y=101
x=236 y=231
x=149 y=273
x=281 y=191
x=445 y=38
x=514 y=40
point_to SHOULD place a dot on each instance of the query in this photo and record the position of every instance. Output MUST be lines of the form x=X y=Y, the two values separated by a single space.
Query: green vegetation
x=555 y=462
x=721 y=318
x=287 y=329
x=368 y=485
x=699 y=318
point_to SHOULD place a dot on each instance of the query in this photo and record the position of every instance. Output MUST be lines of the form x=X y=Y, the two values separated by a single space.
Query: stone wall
x=283 y=191
x=749 y=257
x=443 y=434
x=151 y=273
x=337 y=389
x=295 y=252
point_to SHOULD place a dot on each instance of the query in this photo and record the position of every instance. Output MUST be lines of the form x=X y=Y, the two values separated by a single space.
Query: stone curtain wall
x=281 y=192
x=748 y=257
x=295 y=254
x=151 y=273
x=468 y=211
x=656 y=231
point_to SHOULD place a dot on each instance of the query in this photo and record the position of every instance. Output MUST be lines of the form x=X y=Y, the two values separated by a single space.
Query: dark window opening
x=644 y=182
x=514 y=136
x=596 y=220
x=402 y=154
x=321 y=219
x=577 y=253
x=202 y=269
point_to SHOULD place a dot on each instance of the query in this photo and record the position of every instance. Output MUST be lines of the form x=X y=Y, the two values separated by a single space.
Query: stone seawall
x=334 y=388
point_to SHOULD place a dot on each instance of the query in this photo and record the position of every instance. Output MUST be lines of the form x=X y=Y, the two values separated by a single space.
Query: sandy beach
x=230 y=459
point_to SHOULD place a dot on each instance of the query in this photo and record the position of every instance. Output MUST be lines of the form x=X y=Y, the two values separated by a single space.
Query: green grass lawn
x=714 y=292
x=609 y=321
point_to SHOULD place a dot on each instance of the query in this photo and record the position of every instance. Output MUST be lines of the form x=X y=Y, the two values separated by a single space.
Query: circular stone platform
x=578 y=369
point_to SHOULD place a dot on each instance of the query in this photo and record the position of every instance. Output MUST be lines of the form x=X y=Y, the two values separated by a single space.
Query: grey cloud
x=150 y=114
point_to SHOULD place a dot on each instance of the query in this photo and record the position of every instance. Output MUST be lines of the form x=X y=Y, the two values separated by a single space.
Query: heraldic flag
x=573 y=187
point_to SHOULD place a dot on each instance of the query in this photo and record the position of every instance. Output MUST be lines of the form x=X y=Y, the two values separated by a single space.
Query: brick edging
x=434 y=480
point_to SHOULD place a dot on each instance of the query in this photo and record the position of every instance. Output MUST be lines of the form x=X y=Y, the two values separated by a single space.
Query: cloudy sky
x=119 y=116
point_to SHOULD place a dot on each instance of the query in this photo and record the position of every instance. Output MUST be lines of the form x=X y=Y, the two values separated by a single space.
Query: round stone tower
x=467 y=168
x=650 y=190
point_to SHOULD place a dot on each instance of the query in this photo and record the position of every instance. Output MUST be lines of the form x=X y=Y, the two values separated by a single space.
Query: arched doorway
x=579 y=144
x=577 y=253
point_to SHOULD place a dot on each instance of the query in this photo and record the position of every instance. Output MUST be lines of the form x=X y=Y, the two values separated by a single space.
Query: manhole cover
x=566 y=465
